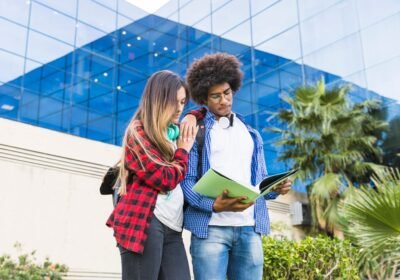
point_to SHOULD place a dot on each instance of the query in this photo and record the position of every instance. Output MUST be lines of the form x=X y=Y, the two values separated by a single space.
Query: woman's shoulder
x=140 y=134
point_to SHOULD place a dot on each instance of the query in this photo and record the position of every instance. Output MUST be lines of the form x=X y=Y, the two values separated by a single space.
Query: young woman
x=147 y=220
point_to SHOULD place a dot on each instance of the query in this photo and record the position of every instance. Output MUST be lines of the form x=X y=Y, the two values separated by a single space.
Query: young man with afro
x=226 y=233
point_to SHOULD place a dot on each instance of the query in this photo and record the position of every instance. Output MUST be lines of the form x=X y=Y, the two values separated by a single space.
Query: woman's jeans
x=164 y=256
x=233 y=252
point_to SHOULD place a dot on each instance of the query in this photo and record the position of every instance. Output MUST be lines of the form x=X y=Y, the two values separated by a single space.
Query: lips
x=224 y=108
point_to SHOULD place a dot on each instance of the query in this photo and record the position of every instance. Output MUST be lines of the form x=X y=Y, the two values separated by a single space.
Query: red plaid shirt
x=131 y=217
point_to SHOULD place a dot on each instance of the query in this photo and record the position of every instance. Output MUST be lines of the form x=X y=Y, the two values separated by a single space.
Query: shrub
x=312 y=258
x=26 y=268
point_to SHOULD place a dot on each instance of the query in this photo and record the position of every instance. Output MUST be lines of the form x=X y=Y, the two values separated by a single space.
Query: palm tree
x=328 y=138
x=372 y=221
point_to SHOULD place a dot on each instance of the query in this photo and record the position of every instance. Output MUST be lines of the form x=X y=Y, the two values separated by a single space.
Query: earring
x=172 y=132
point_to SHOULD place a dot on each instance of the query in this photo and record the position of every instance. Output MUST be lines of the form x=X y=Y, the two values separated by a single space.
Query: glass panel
x=286 y=44
x=49 y=106
x=100 y=129
x=31 y=65
x=96 y=15
x=112 y=4
x=86 y=35
x=44 y=49
x=229 y=16
x=240 y=50
x=102 y=105
x=216 y=4
x=29 y=108
x=169 y=10
x=130 y=11
x=17 y=11
x=127 y=102
x=265 y=62
x=52 y=121
x=52 y=83
x=194 y=11
x=16 y=37
x=309 y=8
x=9 y=101
x=13 y=68
x=325 y=28
x=267 y=97
x=271 y=22
x=61 y=27
x=259 y=5
x=371 y=11
x=384 y=79
x=67 y=7
x=204 y=25
x=342 y=58
x=240 y=34
x=78 y=115
x=381 y=41
x=242 y=107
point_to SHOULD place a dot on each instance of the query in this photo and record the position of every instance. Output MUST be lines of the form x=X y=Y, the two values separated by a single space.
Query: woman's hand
x=186 y=142
x=187 y=127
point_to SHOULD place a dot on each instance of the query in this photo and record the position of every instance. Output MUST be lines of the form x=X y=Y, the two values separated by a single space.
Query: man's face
x=219 y=100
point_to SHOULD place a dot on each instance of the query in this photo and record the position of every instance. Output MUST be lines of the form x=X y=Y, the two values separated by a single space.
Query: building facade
x=79 y=66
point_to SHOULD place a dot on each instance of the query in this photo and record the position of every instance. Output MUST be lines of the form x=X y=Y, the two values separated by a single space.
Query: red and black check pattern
x=132 y=215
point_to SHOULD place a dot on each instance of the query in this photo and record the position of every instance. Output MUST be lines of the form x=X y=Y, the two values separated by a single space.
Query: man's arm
x=194 y=199
x=262 y=168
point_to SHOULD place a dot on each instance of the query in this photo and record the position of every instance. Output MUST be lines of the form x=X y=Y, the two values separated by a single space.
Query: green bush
x=312 y=258
x=26 y=268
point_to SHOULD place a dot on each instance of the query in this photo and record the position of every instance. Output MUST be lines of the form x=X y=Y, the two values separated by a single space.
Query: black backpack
x=110 y=183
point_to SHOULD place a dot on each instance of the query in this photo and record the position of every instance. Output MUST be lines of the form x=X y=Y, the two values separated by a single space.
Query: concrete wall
x=50 y=200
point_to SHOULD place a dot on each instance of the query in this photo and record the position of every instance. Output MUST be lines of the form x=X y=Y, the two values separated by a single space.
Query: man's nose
x=224 y=99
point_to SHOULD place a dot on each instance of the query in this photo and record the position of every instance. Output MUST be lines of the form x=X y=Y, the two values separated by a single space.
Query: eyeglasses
x=216 y=97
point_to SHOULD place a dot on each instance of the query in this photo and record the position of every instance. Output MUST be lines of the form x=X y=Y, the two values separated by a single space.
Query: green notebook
x=213 y=183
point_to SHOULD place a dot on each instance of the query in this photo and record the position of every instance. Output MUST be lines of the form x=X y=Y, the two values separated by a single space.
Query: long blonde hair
x=157 y=107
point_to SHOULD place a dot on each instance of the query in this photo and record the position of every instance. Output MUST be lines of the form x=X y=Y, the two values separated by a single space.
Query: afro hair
x=211 y=70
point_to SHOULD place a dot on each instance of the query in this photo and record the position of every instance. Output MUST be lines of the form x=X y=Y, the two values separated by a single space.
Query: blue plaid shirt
x=200 y=208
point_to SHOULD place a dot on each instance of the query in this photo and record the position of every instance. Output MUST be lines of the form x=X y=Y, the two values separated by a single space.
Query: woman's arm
x=160 y=177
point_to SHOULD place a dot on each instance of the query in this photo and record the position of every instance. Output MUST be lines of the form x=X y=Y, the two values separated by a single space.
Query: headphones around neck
x=172 y=132
x=225 y=122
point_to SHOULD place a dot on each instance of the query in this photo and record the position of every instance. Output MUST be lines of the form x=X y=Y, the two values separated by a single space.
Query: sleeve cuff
x=271 y=195
x=181 y=153
x=207 y=204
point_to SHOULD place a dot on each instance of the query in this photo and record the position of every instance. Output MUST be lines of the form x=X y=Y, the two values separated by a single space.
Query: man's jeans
x=233 y=252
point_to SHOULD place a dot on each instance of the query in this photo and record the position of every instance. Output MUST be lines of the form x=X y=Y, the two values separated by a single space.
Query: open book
x=213 y=183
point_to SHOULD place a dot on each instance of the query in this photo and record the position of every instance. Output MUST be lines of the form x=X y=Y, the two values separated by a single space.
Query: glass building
x=79 y=66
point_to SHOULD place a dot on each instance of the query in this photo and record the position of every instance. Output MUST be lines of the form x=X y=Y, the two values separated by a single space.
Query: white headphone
x=225 y=122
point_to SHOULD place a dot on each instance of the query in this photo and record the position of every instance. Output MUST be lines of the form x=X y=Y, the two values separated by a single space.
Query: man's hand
x=284 y=187
x=233 y=204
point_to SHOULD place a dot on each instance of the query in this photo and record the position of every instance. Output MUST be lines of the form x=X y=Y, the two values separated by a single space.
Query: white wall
x=49 y=205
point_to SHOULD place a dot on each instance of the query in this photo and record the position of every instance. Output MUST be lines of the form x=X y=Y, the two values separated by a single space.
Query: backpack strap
x=200 y=144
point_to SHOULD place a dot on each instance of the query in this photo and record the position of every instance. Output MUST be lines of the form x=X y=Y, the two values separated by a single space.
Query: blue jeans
x=233 y=252
x=164 y=256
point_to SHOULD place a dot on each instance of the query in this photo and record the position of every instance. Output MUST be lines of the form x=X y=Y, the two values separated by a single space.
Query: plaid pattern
x=131 y=217
x=198 y=213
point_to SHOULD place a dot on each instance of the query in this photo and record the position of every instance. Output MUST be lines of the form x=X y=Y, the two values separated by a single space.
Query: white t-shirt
x=169 y=207
x=231 y=154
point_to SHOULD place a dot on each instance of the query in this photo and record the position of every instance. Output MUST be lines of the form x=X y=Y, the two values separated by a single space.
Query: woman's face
x=181 y=96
